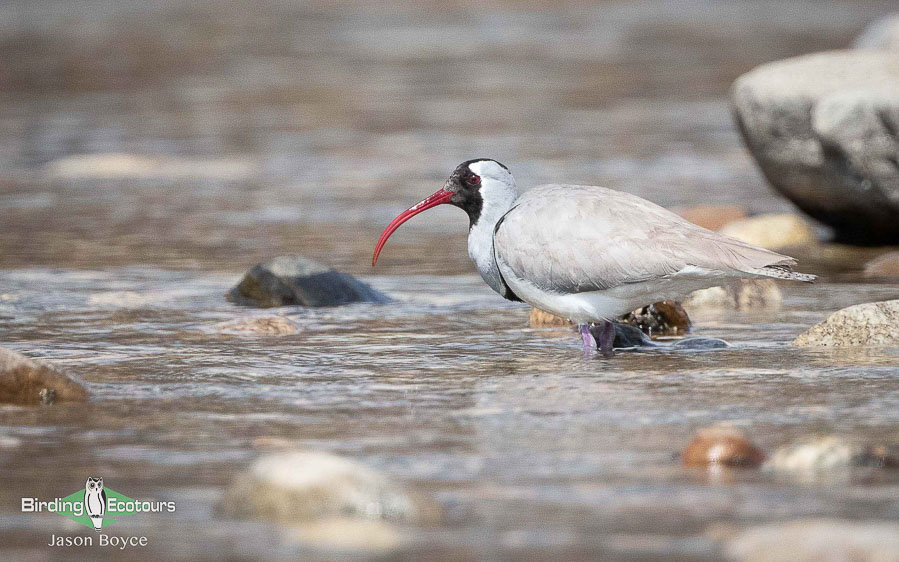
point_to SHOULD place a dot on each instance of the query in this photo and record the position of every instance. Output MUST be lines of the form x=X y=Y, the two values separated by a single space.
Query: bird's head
x=474 y=186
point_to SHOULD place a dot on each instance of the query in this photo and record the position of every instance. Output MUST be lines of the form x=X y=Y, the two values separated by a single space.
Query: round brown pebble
x=721 y=447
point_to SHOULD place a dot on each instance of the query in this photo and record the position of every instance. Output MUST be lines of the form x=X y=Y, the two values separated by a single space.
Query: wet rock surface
x=664 y=318
x=721 y=446
x=744 y=295
x=823 y=128
x=773 y=231
x=295 y=280
x=868 y=324
x=30 y=382
x=813 y=540
x=298 y=486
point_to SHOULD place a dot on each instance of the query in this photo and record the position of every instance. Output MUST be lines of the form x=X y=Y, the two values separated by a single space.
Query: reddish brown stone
x=721 y=447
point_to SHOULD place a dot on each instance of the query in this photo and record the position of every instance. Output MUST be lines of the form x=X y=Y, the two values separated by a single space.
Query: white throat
x=498 y=194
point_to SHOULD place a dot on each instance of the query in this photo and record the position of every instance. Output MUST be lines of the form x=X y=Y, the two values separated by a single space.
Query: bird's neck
x=498 y=198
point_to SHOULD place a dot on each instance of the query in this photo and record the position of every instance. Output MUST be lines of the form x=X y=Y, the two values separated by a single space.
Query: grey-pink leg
x=606 y=333
x=589 y=342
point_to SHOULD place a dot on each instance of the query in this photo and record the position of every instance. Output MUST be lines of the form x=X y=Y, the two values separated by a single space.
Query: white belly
x=594 y=306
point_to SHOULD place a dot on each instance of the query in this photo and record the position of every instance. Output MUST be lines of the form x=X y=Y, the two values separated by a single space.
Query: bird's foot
x=589 y=341
x=606 y=333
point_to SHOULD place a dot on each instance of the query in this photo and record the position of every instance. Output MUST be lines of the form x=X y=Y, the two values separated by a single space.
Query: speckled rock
x=883 y=267
x=713 y=217
x=721 y=446
x=31 y=382
x=295 y=280
x=774 y=231
x=829 y=453
x=874 y=324
x=824 y=129
x=814 y=540
x=744 y=295
x=882 y=34
x=665 y=318
x=260 y=325
x=298 y=486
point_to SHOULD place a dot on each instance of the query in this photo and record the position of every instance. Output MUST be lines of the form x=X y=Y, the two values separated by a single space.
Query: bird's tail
x=785 y=271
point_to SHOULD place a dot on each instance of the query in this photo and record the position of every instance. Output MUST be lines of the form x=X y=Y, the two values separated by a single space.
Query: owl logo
x=95 y=501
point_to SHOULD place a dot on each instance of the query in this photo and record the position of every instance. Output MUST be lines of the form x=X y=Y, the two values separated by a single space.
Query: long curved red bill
x=438 y=198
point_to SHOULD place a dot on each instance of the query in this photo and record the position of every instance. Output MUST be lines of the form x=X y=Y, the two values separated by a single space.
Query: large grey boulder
x=824 y=129
x=882 y=34
x=295 y=280
x=30 y=382
x=869 y=324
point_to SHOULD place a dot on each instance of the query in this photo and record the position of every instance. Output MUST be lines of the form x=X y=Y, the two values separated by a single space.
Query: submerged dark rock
x=700 y=343
x=295 y=280
x=626 y=336
x=302 y=486
x=29 y=382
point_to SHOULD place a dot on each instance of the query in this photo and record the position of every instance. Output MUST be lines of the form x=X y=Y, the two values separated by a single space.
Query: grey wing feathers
x=584 y=238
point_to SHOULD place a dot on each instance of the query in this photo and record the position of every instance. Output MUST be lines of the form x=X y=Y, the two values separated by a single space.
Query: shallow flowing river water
x=281 y=129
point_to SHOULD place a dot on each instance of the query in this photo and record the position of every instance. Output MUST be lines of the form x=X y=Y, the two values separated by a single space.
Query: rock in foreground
x=813 y=540
x=721 y=446
x=295 y=280
x=825 y=130
x=874 y=323
x=29 y=382
x=300 y=486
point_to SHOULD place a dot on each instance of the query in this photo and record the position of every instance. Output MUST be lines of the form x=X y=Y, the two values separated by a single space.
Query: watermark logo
x=96 y=506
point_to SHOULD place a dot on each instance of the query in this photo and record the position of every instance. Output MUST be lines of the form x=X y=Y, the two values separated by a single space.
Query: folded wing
x=571 y=239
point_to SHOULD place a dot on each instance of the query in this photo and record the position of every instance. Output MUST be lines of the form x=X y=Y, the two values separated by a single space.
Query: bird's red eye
x=473 y=179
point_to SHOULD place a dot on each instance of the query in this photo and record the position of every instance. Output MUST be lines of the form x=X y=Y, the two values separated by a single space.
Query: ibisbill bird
x=586 y=253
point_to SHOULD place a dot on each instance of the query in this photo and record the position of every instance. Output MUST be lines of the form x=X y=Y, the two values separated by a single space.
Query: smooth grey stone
x=295 y=280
